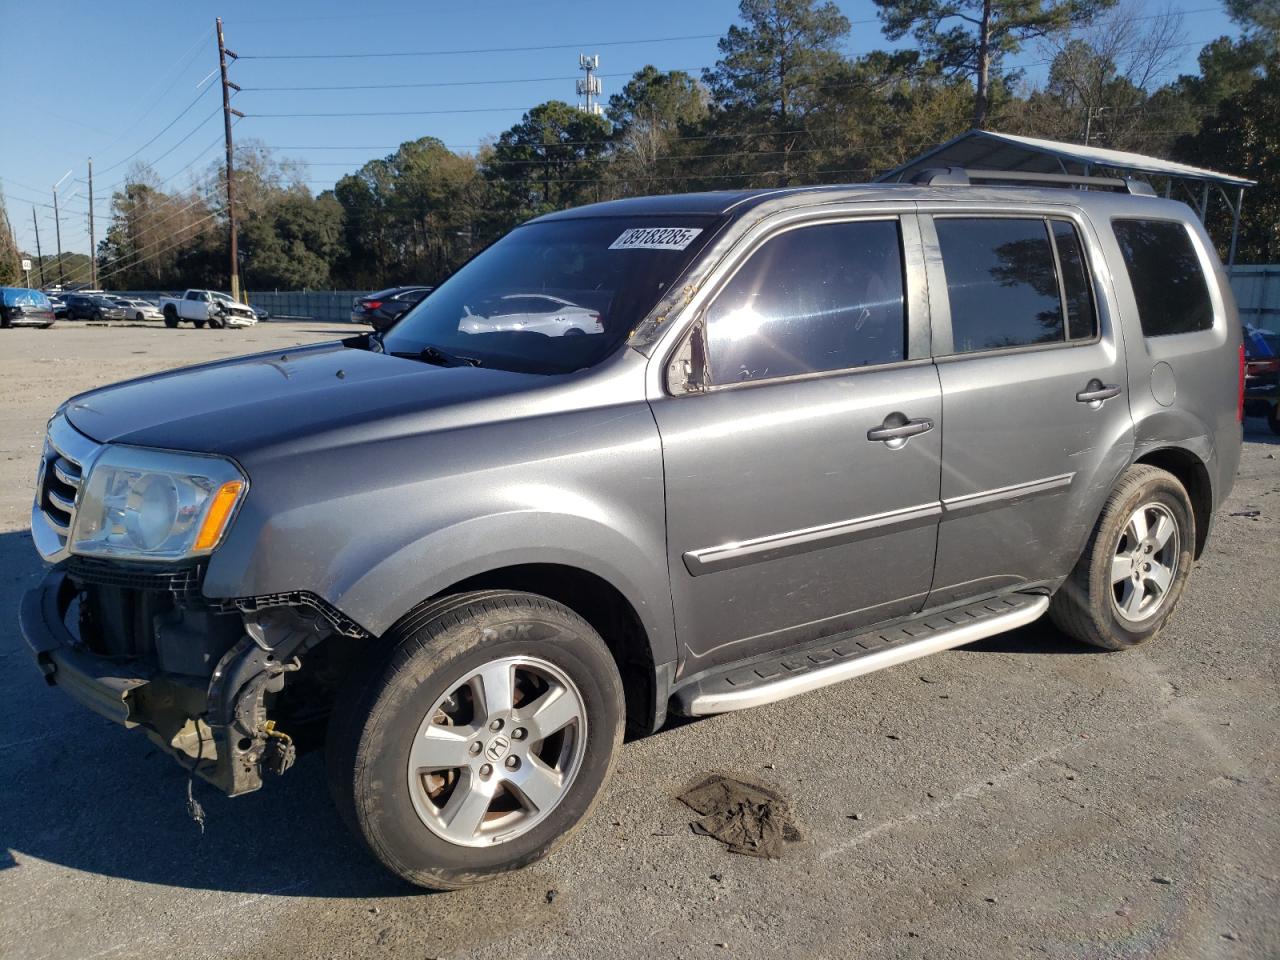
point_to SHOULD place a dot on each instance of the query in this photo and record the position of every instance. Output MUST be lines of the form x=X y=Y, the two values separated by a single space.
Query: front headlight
x=155 y=505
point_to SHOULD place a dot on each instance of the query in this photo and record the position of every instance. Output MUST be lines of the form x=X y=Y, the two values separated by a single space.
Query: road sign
x=26 y=265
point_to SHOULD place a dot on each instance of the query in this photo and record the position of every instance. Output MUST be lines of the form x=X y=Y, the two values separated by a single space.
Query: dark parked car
x=87 y=306
x=20 y=307
x=385 y=307
x=59 y=308
x=1262 y=375
x=819 y=432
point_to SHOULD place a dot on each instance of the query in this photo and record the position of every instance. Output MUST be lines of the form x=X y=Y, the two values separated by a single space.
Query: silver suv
x=815 y=432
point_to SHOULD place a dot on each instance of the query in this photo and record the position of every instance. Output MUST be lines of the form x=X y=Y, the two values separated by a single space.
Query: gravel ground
x=1022 y=796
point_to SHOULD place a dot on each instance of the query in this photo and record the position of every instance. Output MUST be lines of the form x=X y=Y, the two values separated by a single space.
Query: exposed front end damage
x=218 y=685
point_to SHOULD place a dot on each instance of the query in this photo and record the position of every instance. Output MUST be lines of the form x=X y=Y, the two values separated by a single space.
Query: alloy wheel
x=498 y=752
x=1145 y=563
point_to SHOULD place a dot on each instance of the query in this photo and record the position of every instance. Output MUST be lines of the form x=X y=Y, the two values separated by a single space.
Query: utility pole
x=227 y=87
x=93 y=246
x=39 y=256
x=57 y=226
x=57 y=233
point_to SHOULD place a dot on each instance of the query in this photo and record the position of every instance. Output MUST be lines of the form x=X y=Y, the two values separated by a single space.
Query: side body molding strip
x=729 y=555
x=726 y=556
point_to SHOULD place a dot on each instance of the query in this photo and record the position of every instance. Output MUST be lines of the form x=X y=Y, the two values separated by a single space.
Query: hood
x=297 y=396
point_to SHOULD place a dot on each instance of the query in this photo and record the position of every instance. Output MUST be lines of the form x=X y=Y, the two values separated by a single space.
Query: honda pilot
x=811 y=433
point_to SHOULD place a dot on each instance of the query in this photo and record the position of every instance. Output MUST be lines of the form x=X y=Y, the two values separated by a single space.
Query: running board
x=801 y=670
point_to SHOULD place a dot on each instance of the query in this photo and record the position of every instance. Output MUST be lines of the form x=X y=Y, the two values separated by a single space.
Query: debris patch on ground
x=748 y=818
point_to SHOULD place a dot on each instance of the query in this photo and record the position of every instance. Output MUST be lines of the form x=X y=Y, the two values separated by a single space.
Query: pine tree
x=10 y=261
x=968 y=37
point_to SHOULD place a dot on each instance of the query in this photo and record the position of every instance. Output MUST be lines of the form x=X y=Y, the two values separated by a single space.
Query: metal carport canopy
x=991 y=150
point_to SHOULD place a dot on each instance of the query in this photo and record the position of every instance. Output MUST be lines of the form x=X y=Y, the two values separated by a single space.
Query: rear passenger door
x=1036 y=422
x=802 y=481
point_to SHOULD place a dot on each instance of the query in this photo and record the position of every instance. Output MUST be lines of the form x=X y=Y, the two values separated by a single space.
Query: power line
x=382 y=54
x=167 y=128
x=444 y=83
x=170 y=79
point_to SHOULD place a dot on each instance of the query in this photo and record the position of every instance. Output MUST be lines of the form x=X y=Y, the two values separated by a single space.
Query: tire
x=138 y=318
x=1092 y=605
x=199 y=324
x=1273 y=418
x=400 y=696
x=170 y=316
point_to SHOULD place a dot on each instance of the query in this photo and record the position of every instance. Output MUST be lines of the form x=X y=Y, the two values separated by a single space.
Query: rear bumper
x=203 y=730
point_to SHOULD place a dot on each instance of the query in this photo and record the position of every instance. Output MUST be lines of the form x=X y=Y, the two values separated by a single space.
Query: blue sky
x=103 y=79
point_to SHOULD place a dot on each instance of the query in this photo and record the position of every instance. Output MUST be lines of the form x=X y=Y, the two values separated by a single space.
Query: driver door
x=802 y=484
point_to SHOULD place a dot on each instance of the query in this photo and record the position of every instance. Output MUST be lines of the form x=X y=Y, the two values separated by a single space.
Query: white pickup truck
x=206 y=306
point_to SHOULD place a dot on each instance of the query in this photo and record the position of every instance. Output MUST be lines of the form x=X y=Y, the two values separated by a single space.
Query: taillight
x=372 y=304
x=1240 y=390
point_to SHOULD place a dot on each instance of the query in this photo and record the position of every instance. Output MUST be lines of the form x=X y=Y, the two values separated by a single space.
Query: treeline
x=782 y=105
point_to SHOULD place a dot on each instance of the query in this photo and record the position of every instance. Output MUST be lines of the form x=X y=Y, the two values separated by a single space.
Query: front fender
x=375 y=525
x=387 y=591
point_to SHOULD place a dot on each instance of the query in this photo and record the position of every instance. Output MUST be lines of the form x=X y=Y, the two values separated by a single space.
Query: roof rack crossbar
x=963 y=177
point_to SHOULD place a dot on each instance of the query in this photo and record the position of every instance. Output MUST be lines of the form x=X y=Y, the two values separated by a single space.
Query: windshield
x=555 y=296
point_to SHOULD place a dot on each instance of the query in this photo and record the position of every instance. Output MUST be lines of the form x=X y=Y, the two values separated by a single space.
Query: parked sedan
x=59 y=308
x=82 y=306
x=20 y=307
x=135 y=309
x=385 y=307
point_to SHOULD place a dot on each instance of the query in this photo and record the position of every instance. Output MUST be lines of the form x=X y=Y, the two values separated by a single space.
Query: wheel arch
x=1193 y=474
x=606 y=609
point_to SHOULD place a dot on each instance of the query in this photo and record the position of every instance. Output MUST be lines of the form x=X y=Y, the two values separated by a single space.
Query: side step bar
x=808 y=668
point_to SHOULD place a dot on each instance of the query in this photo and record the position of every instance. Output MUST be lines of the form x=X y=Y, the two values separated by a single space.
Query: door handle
x=897 y=427
x=1096 y=391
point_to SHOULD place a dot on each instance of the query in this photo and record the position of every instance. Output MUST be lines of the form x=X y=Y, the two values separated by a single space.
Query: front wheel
x=479 y=741
x=199 y=324
x=1132 y=573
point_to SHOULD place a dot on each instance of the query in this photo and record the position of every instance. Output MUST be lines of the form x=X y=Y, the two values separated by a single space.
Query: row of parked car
x=20 y=306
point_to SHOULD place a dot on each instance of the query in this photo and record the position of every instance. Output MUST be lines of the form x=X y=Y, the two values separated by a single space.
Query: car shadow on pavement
x=1039 y=637
x=78 y=791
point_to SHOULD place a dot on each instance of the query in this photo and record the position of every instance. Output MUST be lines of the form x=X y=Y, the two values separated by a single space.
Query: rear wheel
x=479 y=741
x=1131 y=575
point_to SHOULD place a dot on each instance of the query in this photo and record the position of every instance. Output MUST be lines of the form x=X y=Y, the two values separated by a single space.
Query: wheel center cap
x=497 y=748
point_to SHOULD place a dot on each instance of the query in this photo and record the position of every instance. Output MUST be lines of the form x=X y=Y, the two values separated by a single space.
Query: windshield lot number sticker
x=655 y=238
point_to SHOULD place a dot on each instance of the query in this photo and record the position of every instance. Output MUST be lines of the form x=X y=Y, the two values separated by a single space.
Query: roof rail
x=963 y=177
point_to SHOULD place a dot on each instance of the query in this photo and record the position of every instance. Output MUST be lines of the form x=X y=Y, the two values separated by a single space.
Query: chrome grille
x=67 y=453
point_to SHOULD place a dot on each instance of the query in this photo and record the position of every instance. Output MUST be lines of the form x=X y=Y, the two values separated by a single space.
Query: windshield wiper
x=433 y=354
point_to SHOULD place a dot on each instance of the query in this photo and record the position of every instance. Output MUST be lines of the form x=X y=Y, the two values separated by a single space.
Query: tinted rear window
x=1001 y=282
x=1168 y=282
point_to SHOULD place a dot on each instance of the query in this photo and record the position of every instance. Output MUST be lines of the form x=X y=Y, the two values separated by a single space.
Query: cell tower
x=589 y=86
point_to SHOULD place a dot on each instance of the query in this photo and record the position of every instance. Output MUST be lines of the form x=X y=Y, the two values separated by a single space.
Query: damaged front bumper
x=217 y=725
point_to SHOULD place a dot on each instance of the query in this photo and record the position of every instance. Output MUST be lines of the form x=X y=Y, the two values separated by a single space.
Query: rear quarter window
x=1168 y=281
